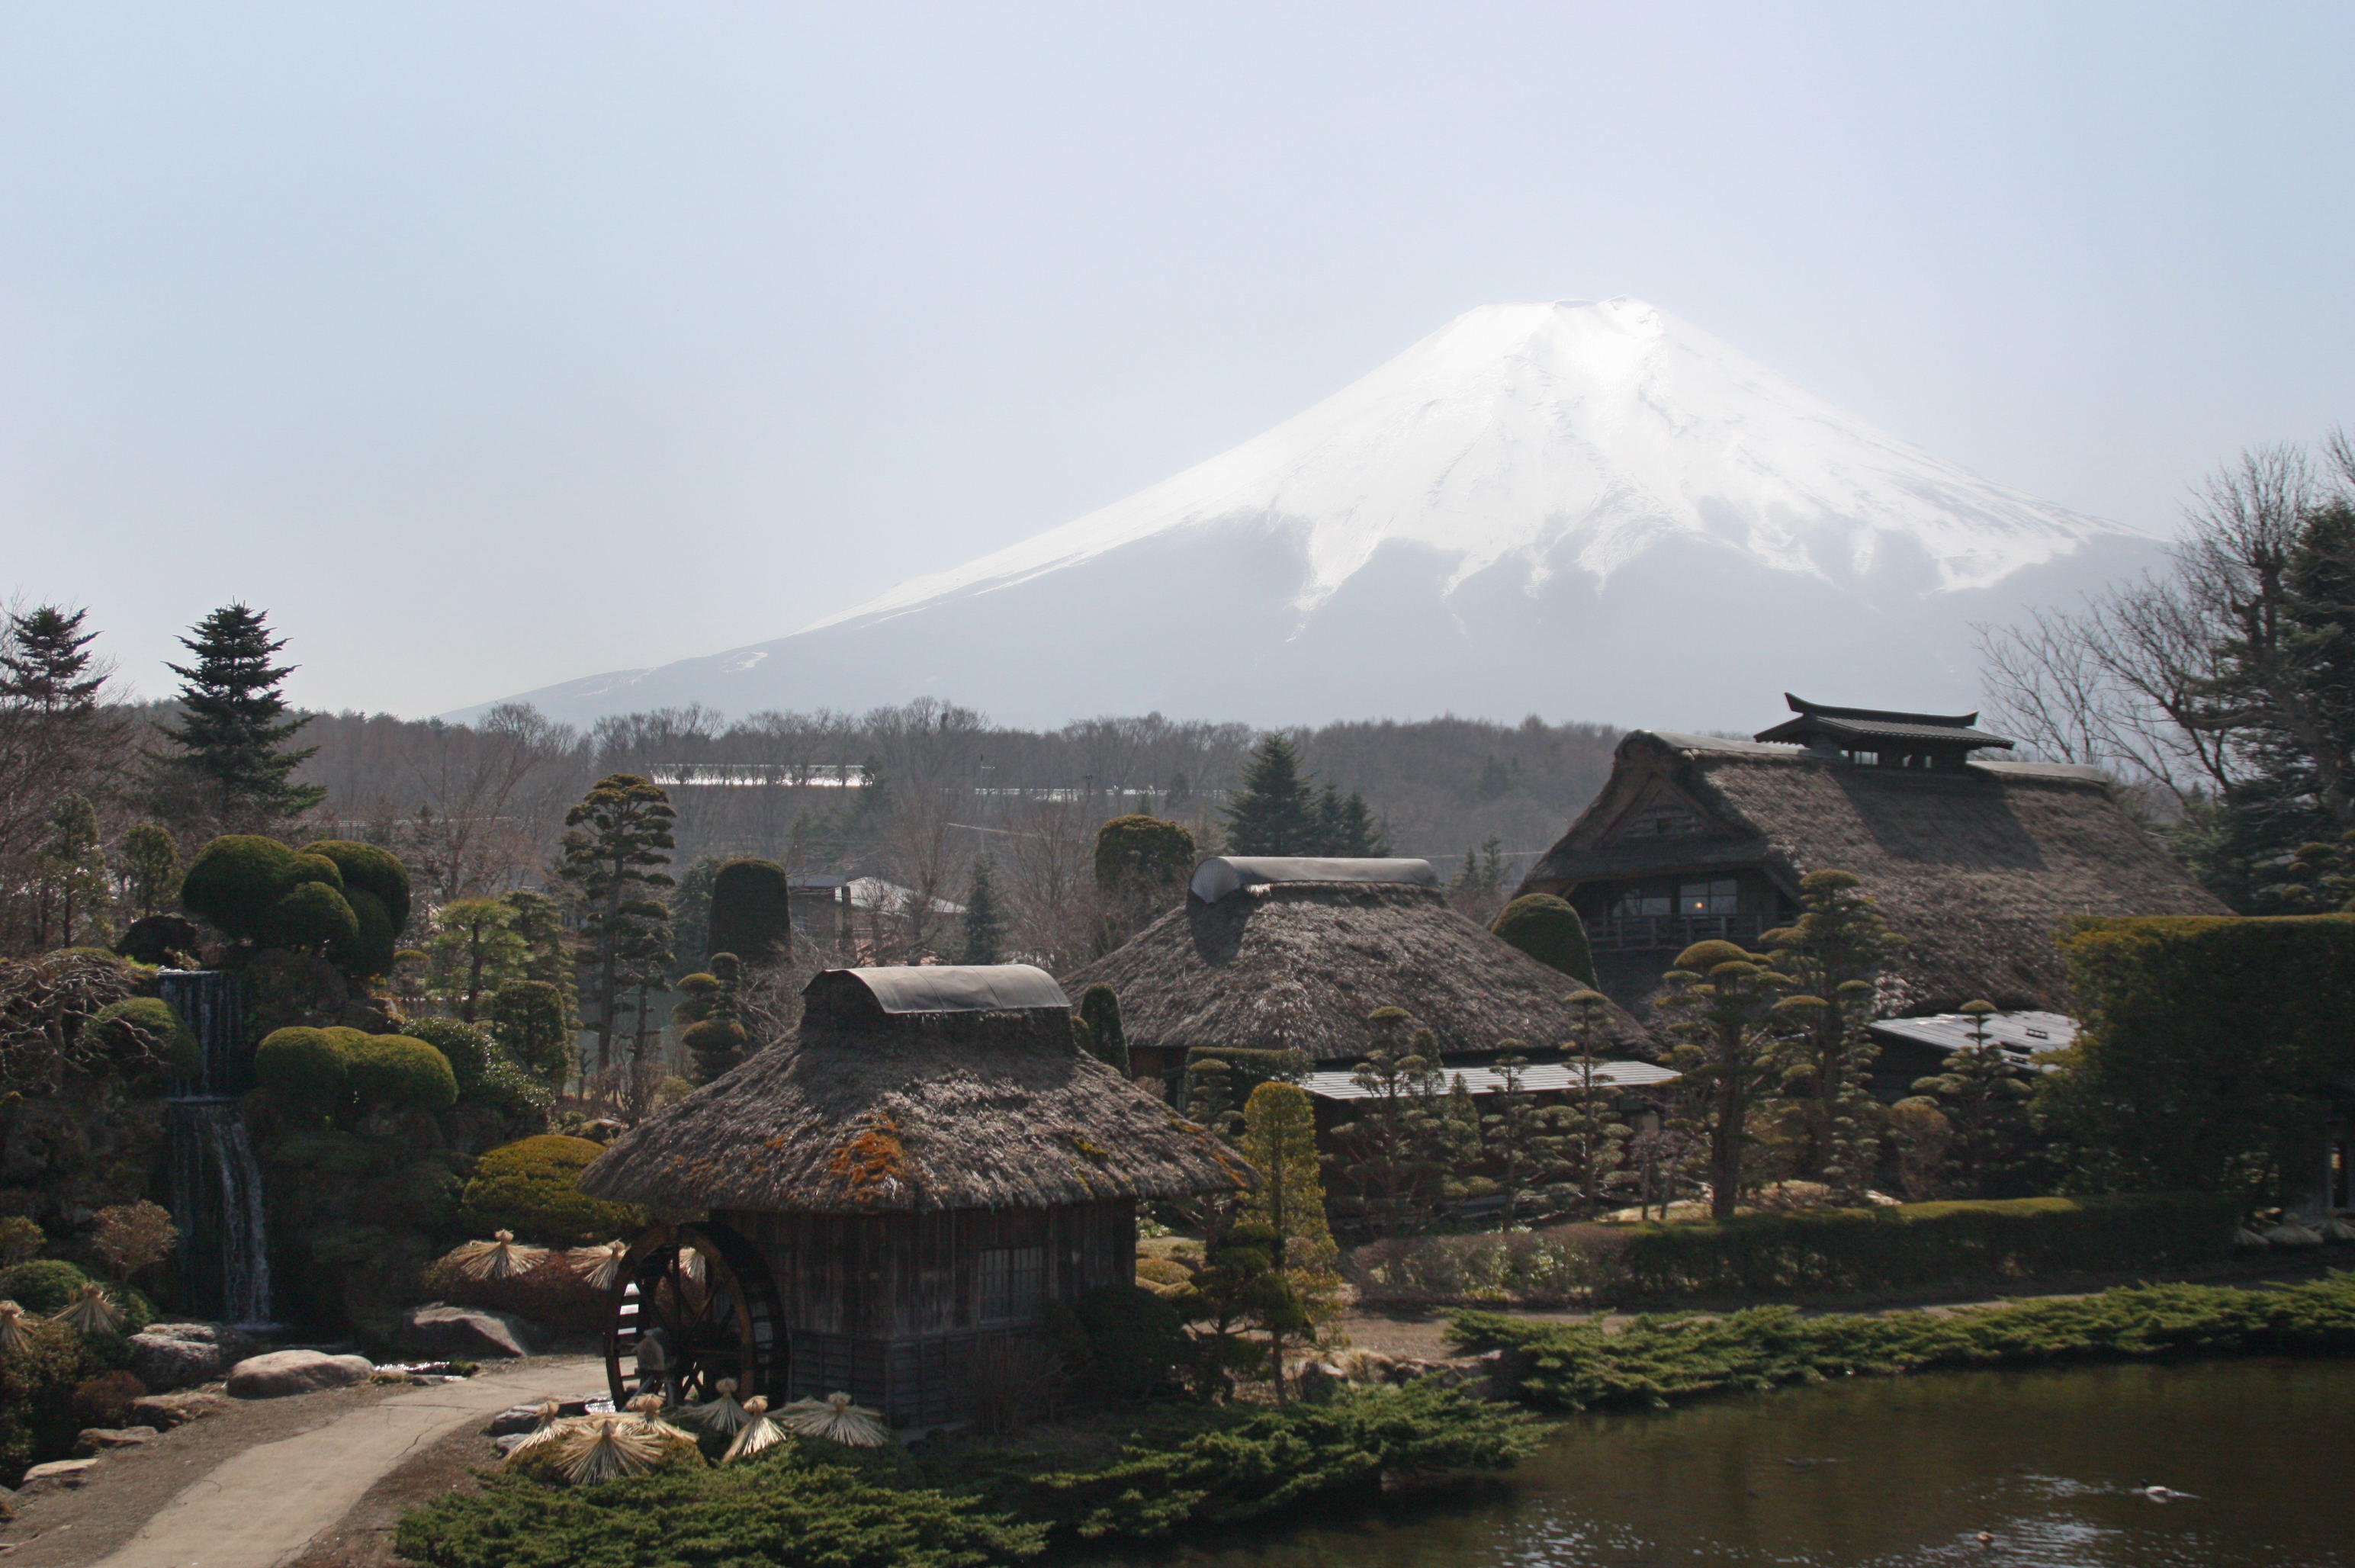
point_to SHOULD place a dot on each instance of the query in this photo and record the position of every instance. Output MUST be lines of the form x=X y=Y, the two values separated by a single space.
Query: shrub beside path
x=261 y=1505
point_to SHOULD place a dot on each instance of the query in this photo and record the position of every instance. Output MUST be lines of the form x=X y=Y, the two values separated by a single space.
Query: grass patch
x=972 y=1502
x=1661 y=1361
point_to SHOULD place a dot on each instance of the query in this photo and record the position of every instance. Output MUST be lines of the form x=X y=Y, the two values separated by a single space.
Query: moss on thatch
x=1299 y=966
x=1977 y=867
x=915 y=1111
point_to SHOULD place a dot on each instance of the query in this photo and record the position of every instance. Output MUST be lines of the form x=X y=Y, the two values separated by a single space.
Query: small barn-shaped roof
x=899 y=1093
x=1976 y=866
x=1299 y=965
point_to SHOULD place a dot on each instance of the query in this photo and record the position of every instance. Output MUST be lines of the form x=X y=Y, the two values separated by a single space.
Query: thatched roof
x=1977 y=865
x=1221 y=875
x=1299 y=966
x=866 y=1112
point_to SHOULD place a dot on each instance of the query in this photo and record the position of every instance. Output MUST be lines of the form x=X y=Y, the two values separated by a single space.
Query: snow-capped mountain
x=1584 y=509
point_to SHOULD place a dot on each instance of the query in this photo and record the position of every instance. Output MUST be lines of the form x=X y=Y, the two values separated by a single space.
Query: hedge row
x=1658 y=1361
x=1830 y=1254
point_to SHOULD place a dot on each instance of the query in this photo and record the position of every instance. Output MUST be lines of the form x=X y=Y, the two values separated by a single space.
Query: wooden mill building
x=908 y=1183
x=1294 y=954
x=1975 y=861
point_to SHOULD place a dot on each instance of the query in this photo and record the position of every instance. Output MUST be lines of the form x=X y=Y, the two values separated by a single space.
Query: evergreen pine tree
x=1838 y=950
x=1731 y=1016
x=1389 y=1145
x=616 y=842
x=1983 y=1095
x=548 y=951
x=1280 y=1144
x=73 y=870
x=1275 y=811
x=985 y=928
x=44 y=662
x=233 y=724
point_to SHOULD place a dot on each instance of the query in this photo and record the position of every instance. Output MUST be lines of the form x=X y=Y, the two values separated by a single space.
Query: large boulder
x=281 y=1372
x=167 y=1356
x=469 y=1333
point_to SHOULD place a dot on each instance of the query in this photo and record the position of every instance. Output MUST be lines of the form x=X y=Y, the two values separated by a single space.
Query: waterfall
x=217 y=1200
x=224 y=1254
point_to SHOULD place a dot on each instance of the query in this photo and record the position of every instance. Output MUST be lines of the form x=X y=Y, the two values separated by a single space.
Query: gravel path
x=267 y=1476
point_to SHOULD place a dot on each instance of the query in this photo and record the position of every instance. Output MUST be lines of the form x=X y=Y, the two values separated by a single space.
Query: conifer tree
x=1275 y=812
x=547 y=949
x=1389 y=1144
x=233 y=726
x=984 y=927
x=1838 y=950
x=150 y=859
x=1983 y=1095
x=1732 y=1015
x=1100 y=1010
x=475 y=950
x=1280 y=1144
x=616 y=842
x=73 y=869
x=46 y=665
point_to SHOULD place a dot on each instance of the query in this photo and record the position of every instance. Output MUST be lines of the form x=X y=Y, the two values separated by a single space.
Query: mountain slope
x=1592 y=510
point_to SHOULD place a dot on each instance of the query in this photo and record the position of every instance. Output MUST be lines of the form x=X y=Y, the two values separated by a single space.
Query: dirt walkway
x=251 y=1487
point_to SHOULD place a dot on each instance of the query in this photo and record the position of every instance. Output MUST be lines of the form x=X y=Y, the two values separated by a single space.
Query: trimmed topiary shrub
x=373 y=942
x=310 y=868
x=752 y=911
x=236 y=883
x=313 y=918
x=370 y=869
x=1100 y=1010
x=1547 y=929
x=527 y=1016
x=303 y=1069
x=140 y=1040
x=717 y=1045
x=43 y=1285
x=468 y=1046
x=529 y=1187
x=395 y=1069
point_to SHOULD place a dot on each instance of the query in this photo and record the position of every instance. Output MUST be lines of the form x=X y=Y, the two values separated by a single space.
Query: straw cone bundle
x=2337 y=1229
x=722 y=1416
x=648 y=1409
x=836 y=1419
x=549 y=1429
x=599 y=1266
x=759 y=1432
x=2290 y=1233
x=89 y=1312
x=606 y=1448
x=500 y=1258
x=16 y=1329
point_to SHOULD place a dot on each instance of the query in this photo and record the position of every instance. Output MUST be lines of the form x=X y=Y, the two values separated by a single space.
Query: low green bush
x=37 y=1419
x=1547 y=929
x=973 y=1501
x=1127 y=1342
x=1831 y=1254
x=1658 y=1361
x=395 y=1069
x=303 y=1070
x=468 y=1046
x=528 y=1186
x=140 y=1039
x=43 y=1285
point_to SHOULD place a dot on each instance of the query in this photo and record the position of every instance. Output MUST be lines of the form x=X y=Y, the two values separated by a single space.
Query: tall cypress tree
x=616 y=843
x=985 y=928
x=234 y=724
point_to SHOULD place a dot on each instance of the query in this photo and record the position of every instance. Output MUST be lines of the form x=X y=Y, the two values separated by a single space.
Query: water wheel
x=694 y=1304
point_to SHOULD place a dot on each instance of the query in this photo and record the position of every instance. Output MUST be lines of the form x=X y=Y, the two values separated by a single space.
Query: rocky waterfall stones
x=167 y=1356
x=282 y=1372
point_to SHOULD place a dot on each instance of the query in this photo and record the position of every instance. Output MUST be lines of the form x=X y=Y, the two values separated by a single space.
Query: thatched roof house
x=1294 y=955
x=925 y=1166
x=1976 y=862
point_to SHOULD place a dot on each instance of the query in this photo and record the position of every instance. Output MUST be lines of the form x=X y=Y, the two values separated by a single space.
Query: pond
x=1890 y=1473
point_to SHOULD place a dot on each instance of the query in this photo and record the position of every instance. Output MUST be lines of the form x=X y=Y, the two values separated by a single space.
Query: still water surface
x=1891 y=1473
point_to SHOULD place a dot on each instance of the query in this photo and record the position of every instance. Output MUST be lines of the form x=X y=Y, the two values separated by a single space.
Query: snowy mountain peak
x=1570 y=435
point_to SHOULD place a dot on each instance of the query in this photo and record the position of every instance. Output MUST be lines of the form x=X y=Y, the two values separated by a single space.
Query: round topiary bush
x=43 y=1285
x=313 y=918
x=528 y=1018
x=236 y=883
x=304 y=1070
x=528 y=1187
x=371 y=950
x=1547 y=929
x=752 y=911
x=395 y=1069
x=468 y=1046
x=370 y=869
x=140 y=1040
x=310 y=868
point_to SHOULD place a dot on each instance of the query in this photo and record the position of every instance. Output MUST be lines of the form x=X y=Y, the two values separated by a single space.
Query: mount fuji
x=1585 y=509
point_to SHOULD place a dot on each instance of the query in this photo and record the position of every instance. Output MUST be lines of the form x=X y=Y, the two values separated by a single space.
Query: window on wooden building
x=1642 y=902
x=1009 y=1283
x=1719 y=895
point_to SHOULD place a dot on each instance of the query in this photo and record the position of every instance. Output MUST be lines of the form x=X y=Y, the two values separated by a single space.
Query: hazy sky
x=490 y=345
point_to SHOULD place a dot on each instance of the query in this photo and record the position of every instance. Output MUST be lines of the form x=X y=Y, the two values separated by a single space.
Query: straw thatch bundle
x=599 y=1266
x=16 y=1328
x=835 y=1420
x=501 y=1257
x=89 y=1312
x=1977 y=866
x=868 y=1110
x=760 y=1432
x=1298 y=967
x=721 y=1414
